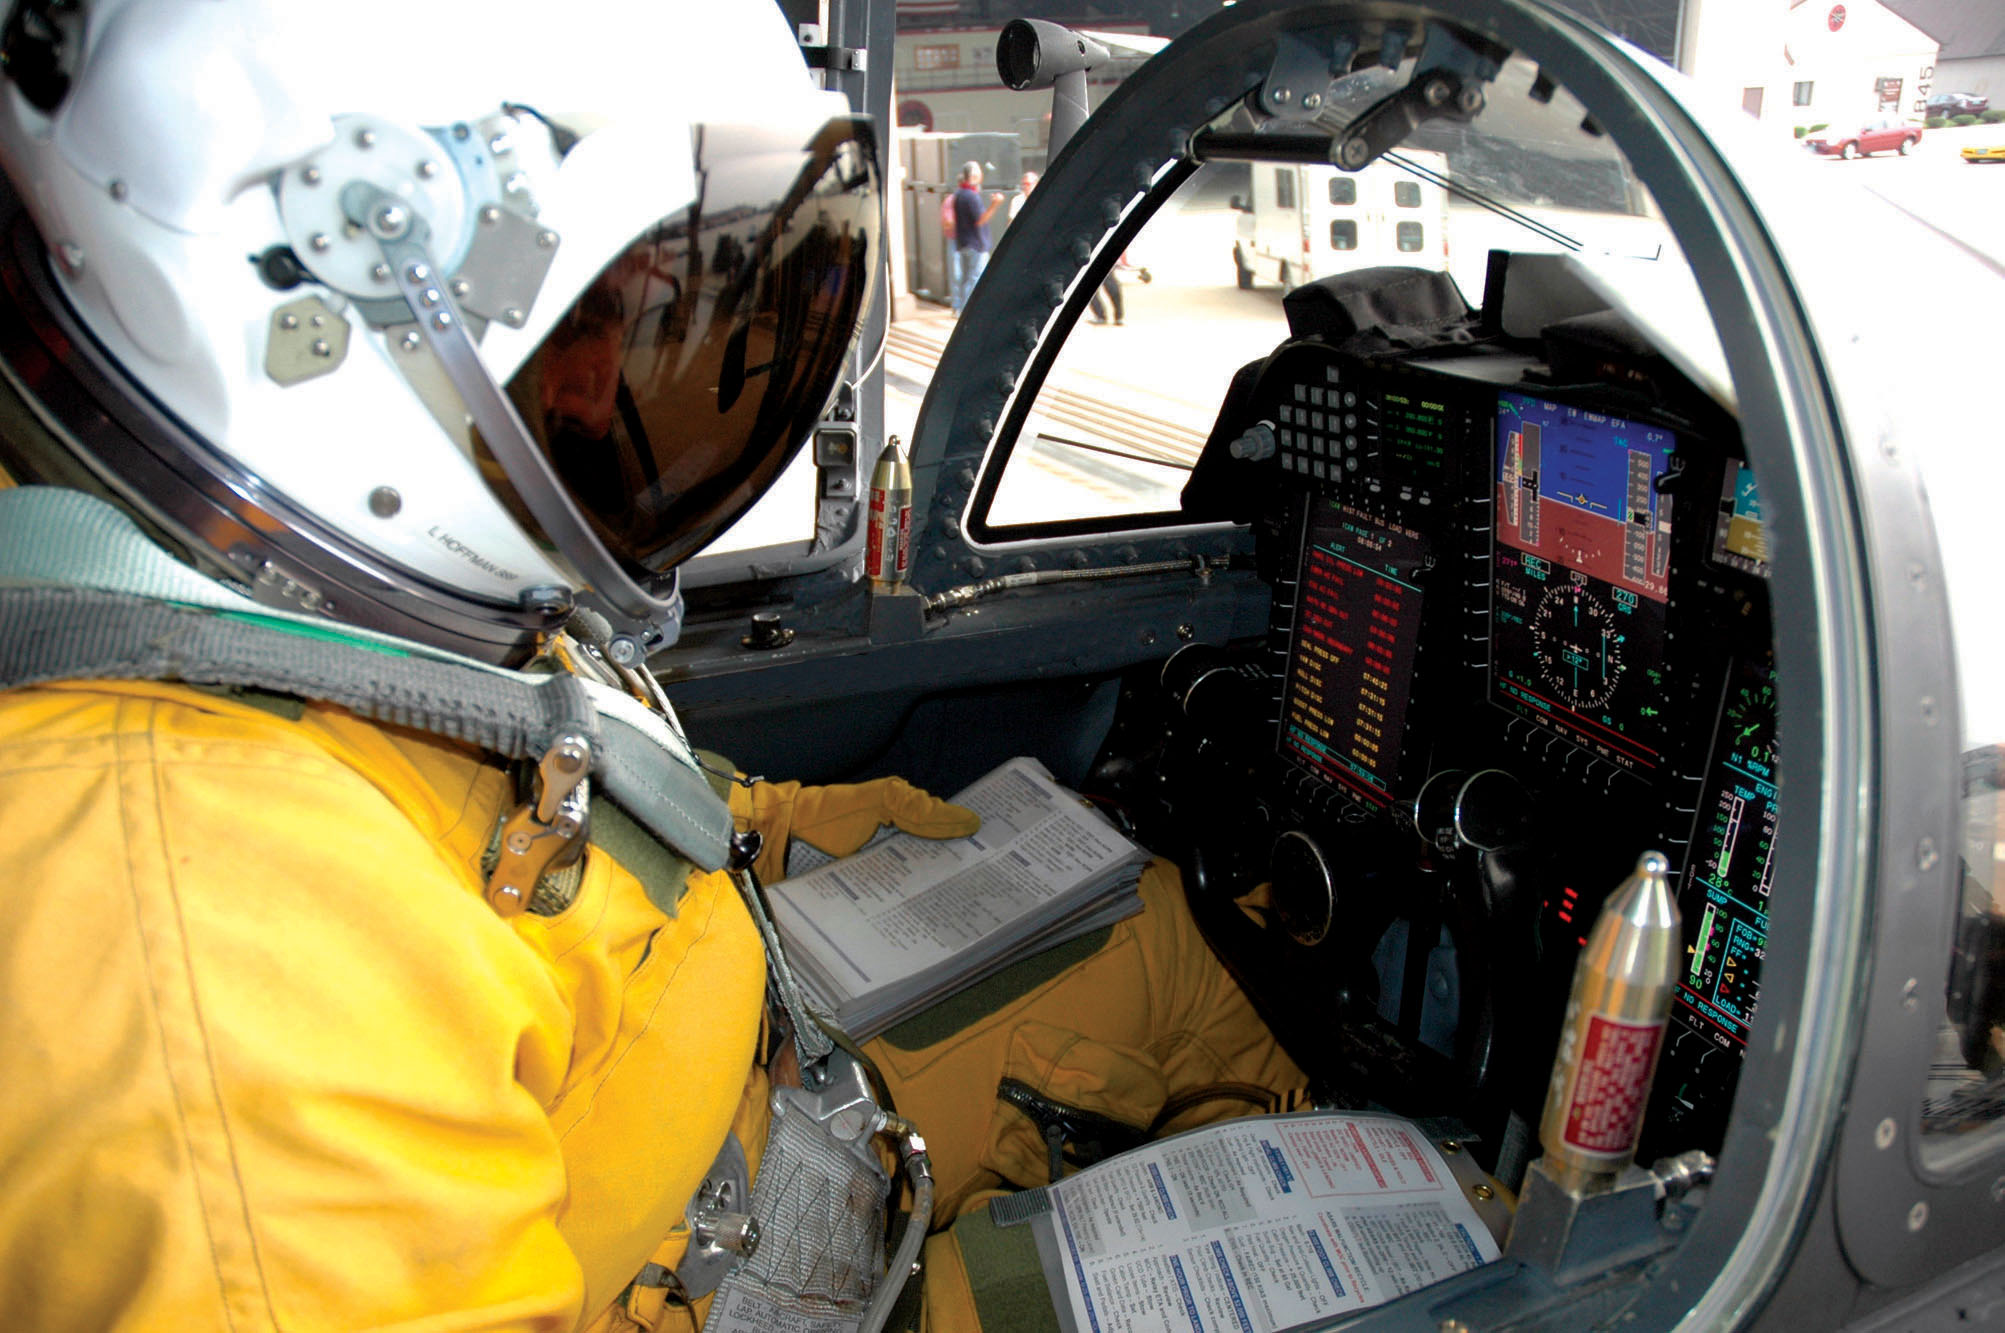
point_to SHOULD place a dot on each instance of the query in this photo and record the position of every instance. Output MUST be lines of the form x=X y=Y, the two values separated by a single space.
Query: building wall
x=1983 y=75
x=1835 y=53
x=1851 y=68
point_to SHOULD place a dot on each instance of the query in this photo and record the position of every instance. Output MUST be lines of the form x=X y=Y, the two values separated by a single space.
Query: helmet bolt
x=427 y=169
x=384 y=502
x=365 y=138
x=310 y=175
x=319 y=243
x=390 y=220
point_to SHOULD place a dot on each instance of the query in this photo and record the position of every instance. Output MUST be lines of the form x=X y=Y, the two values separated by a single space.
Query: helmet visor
x=691 y=368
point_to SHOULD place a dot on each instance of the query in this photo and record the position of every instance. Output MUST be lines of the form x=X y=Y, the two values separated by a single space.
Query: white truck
x=1306 y=222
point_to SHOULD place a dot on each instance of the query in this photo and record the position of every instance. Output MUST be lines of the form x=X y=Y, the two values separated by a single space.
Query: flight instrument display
x=1740 y=541
x=1580 y=576
x=1724 y=900
x=1352 y=651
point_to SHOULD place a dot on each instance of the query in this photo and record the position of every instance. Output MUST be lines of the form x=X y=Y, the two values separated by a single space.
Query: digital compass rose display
x=1580 y=576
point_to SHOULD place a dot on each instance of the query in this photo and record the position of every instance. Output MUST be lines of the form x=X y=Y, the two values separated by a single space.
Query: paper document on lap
x=878 y=935
x=1257 y=1225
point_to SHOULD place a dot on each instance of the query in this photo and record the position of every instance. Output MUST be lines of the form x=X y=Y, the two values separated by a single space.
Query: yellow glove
x=840 y=819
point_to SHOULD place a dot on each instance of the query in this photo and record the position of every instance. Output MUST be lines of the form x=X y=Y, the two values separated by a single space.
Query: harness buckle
x=546 y=833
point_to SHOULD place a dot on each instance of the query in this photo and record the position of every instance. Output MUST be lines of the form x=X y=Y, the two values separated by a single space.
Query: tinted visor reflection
x=684 y=377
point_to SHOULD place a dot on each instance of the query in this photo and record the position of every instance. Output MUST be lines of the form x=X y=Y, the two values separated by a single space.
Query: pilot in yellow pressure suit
x=376 y=955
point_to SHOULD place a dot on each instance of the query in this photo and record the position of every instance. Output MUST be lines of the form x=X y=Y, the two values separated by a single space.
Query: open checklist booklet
x=1256 y=1225
x=878 y=936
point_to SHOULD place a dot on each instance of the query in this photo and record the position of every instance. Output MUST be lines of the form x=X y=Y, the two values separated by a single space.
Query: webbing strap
x=140 y=615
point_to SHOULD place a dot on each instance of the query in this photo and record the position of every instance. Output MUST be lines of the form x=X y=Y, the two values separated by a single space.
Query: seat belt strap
x=85 y=596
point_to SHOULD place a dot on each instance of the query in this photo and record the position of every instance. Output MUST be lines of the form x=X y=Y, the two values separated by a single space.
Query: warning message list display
x=1351 y=656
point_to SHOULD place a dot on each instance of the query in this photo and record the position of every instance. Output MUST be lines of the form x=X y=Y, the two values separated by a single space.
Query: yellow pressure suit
x=272 y=1061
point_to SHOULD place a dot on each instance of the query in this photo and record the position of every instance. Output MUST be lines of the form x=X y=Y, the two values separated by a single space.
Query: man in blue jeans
x=971 y=230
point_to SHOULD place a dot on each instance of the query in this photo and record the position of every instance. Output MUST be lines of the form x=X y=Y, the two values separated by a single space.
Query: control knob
x=1301 y=888
x=1254 y=443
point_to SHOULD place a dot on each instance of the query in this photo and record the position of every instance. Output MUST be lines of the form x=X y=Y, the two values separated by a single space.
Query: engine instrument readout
x=1352 y=650
x=1580 y=578
x=1739 y=539
x=1732 y=868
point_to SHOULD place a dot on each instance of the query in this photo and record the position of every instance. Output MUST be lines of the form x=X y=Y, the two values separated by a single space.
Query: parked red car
x=1875 y=136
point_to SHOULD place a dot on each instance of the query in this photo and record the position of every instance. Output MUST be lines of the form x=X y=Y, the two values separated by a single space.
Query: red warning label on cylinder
x=887 y=552
x=1615 y=1063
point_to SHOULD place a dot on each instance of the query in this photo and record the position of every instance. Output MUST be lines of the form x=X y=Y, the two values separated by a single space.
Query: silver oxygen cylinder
x=1614 y=1031
x=887 y=554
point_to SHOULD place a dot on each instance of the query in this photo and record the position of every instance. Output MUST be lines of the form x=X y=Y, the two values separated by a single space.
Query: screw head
x=512 y=317
x=119 y=192
x=385 y=502
x=390 y=220
x=288 y=322
x=1281 y=96
x=546 y=240
x=1918 y=1216
x=1883 y=1134
x=1310 y=101
x=380 y=273
x=1434 y=92
x=415 y=273
x=1484 y=1192
x=460 y=287
x=427 y=169
x=442 y=321
x=321 y=348
x=365 y=138
x=490 y=215
x=411 y=341
x=310 y=175
x=1354 y=153
x=319 y=243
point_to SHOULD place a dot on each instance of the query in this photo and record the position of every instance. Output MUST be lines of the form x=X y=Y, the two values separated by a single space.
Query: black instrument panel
x=1532 y=610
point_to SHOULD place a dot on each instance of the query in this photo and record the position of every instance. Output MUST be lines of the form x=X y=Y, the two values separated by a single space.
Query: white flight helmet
x=429 y=316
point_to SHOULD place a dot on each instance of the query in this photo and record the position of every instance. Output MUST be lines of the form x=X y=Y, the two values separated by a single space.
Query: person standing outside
x=971 y=230
x=1024 y=187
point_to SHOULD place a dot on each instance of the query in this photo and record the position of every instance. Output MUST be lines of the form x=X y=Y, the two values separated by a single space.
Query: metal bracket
x=1300 y=77
x=819 y=54
x=1447 y=84
x=718 y=1231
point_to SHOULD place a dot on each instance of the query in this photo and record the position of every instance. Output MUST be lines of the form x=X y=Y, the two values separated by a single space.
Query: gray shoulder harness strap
x=85 y=596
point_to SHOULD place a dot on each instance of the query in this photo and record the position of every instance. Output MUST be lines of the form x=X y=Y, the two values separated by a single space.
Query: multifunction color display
x=1581 y=576
x=1352 y=652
